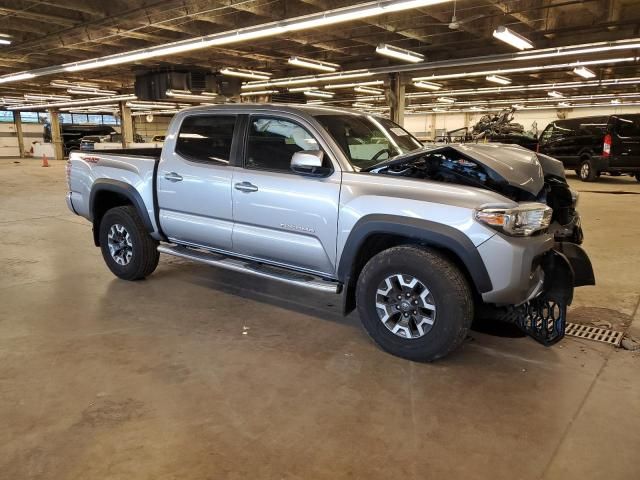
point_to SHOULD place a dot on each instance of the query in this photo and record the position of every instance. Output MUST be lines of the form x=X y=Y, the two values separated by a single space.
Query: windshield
x=367 y=140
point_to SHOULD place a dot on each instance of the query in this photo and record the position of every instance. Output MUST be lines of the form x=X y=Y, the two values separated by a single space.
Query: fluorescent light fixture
x=499 y=79
x=316 y=102
x=71 y=103
x=399 y=53
x=323 y=77
x=314 y=64
x=90 y=91
x=16 y=77
x=439 y=109
x=616 y=101
x=5 y=41
x=12 y=100
x=555 y=94
x=368 y=90
x=512 y=38
x=564 y=104
x=258 y=92
x=361 y=105
x=584 y=72
x=446 y=100
x=301 y=89
x=428 y=85
x=33 y=97
x=187 y=95
x=155 y=112
x=336 y=86
x=318 y=94
x=244 y=73
x=517 y=106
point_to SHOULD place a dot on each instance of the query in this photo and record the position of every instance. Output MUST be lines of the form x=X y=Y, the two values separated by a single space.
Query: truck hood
x=510 y=165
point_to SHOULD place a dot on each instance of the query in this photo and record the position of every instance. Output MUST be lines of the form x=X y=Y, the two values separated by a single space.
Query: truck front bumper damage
x=544 y=317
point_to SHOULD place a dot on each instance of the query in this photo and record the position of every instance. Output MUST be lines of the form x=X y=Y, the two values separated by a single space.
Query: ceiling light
x=187 y=95
x=315 y=64
x=315 y=93
x=315 y=102
x=90 y=91
x=323 y=77
x=32 y=97
x=564 y=104
x=243 y=73
x=499 y=79
x=300 y=89
x=584 y=72
x=512 y=38
x=5 y=39
x=517 y=106
x=258 y=92
x=555 y=94
x=71 y=103
x=399 y=53
x=155 y=112
x=446 y=100
x=616 y=101
x=428 y=85
x=17 y=77
x=336 y=86
x=439 y=109
x=368 y=90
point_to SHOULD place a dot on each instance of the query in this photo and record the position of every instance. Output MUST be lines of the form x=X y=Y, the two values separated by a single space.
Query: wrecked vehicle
x=351 y=204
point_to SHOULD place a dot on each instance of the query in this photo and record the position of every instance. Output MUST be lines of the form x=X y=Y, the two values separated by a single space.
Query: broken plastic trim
x=544 y=318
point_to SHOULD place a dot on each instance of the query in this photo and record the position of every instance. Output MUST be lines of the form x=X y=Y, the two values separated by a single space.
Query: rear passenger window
x=206 y=138
x=629 y=127
x=273 y=141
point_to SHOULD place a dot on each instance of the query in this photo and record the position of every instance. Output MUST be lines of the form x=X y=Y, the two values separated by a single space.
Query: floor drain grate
x=594 y=333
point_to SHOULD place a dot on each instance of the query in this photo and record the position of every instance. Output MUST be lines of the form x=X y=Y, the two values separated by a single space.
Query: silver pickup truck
x=417 y=238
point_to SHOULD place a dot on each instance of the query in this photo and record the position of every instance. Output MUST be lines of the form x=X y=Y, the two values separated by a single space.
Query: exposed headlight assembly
x=521 y=221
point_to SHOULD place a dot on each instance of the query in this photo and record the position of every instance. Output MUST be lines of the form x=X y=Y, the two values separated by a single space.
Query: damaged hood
x=515 y=165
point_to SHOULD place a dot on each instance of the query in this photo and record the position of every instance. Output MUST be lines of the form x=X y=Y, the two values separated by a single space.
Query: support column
x=126 y=125
x=433 y=127
x=56 y=134
x=17 y=121
x=396 y=99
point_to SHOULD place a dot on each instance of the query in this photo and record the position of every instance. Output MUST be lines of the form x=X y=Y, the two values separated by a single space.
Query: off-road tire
x=145 y=255
x=587 y=172
x=448 y=286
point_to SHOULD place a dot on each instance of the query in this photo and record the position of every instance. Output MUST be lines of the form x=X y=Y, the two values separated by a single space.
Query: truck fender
x=126 y=190
x=421 y=231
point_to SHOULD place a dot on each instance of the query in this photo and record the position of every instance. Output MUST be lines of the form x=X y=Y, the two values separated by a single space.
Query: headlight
x=520 y=221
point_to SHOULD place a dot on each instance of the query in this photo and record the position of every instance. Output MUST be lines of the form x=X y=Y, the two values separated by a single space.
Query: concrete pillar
x=396 y=99
x=56 y=134
x=17 y=121
x=126 y=125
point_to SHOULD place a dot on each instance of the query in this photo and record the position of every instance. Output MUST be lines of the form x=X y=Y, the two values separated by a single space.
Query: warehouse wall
x=423 y=124
x=31 y=132
x=148 y=130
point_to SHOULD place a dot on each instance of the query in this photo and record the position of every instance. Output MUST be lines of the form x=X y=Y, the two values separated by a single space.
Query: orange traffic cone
x=45 y=162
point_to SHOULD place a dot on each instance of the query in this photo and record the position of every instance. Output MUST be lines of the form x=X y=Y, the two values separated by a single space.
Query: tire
x=587 y=172
x=143 y=249
x=637 y=175
x=448 y=292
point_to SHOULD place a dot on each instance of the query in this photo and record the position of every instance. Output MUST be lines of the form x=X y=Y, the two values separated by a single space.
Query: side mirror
x=309 y=162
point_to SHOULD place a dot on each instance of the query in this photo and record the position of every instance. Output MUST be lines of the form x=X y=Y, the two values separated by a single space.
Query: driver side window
x=273 y=141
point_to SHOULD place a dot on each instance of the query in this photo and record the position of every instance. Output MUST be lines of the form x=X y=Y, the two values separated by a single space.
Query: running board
x=254 y=268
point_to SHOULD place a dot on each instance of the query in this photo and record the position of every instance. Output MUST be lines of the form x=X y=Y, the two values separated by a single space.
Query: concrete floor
x=200 y=374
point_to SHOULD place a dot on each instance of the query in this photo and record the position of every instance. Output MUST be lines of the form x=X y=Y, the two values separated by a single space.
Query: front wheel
x=587 y=173
x=127 y=248
x=414 y=302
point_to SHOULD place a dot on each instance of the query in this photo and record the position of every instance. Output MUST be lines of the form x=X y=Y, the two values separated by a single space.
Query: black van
x=593 y=145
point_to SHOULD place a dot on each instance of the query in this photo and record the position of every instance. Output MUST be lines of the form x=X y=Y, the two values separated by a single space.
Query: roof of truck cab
x=312 y=110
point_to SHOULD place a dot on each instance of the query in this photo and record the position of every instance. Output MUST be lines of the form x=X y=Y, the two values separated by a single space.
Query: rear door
x=281 y=216
x=625 y=147
x=194 y=181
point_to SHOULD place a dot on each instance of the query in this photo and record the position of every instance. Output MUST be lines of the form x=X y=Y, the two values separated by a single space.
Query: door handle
x=246 y=187
x=173 y=177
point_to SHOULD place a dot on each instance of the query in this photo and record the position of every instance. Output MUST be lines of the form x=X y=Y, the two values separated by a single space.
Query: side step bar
x=258 y=269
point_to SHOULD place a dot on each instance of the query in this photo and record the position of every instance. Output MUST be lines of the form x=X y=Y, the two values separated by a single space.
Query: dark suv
x=593 y=145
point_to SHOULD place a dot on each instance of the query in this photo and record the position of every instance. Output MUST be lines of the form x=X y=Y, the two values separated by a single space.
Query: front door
x=194 y=182
x=281 y=216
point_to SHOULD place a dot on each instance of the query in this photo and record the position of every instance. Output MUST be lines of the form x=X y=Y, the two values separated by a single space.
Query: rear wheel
x=414 y=302
x=587 y=173
x=127 y=248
